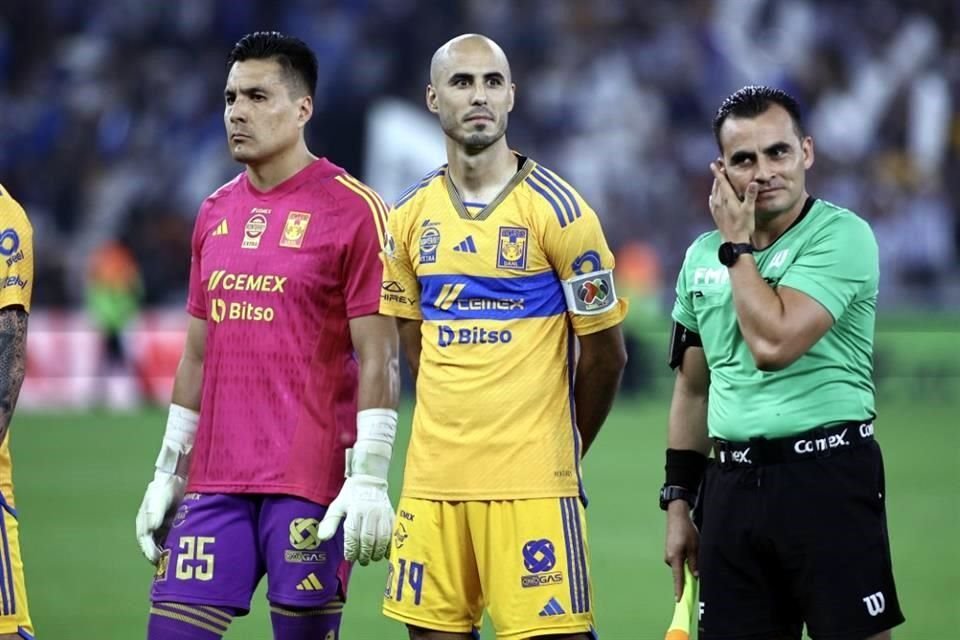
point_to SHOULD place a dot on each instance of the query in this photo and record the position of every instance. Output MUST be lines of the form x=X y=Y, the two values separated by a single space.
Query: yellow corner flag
x=683 y=612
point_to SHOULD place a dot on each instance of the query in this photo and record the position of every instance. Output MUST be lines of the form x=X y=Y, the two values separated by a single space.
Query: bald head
x=468 y=45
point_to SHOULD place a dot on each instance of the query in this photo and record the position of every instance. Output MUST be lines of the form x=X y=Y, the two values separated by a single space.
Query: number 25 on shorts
x=409 y=574
x=193 y=561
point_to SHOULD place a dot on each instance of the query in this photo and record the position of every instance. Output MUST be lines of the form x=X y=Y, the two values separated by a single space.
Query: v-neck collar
x=526 y=166
x=807 y=205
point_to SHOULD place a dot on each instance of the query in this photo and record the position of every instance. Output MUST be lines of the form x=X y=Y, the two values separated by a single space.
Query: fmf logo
x=707 y=275
x=447 y=336
x=593 y=293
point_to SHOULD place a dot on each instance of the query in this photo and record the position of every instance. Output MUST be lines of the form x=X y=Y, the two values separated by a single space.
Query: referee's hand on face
x=683 y=541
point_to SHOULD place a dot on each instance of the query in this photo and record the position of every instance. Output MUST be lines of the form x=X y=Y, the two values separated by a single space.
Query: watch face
x=728 y=252
x=725 y=254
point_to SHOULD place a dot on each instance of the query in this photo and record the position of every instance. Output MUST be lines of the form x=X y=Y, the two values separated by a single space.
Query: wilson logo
x=876 y=603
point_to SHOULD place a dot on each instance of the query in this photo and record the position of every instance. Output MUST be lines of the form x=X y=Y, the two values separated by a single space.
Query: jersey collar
x=524 y=167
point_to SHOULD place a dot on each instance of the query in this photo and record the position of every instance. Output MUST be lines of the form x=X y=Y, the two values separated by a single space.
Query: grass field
x=79 y=480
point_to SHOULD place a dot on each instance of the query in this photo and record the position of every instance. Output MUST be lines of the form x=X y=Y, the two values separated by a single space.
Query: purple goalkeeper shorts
x=220 y=545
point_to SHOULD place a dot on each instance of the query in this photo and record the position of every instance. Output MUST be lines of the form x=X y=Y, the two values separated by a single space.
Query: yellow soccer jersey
x=502 y=288
x=16 y=253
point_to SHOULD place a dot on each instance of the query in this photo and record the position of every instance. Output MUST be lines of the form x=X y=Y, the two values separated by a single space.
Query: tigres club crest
x=512 y=253
x=160 y=575
x=295 y=229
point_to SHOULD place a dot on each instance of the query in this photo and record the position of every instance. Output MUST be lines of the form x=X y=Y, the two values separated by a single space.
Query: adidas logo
x=552 y=608
x=310 y=583
x=466 y=246
x=221 y=229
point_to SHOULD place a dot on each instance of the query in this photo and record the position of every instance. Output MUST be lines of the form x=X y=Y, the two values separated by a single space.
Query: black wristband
x=685 y=468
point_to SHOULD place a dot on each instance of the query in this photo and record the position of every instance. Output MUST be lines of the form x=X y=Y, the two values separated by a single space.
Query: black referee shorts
x=794 y=542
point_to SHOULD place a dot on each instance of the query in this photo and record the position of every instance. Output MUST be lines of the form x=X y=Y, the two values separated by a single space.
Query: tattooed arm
x=13 y=361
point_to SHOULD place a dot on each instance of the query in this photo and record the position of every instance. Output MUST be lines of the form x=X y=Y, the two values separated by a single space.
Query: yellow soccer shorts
x=525 y=561
x=14 y=614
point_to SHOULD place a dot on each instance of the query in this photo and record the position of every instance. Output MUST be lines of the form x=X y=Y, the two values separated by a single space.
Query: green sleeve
x=683 y=307
x=838 y=267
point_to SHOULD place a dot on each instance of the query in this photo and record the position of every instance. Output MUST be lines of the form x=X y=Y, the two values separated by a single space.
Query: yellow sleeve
x=580 y=256
x=16 y=254
x=400 y=292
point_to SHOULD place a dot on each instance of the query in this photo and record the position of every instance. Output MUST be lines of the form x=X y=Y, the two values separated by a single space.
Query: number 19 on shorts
x=408 y=580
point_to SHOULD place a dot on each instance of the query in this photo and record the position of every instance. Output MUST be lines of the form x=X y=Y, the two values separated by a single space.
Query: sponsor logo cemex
x=822 y=444
x=265 y=283
x=448 y=295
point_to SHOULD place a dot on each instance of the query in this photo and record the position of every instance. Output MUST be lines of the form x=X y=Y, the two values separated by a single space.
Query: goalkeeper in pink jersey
x=287 y=367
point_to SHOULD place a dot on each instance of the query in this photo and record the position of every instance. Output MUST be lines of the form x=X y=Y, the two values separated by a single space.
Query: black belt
x=821 y=442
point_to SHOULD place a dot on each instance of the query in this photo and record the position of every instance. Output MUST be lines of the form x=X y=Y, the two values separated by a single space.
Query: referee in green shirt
x=772 y=343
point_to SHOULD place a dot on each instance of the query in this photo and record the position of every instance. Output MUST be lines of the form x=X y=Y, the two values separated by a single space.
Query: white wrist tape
x=376 y=431
x=178 y=439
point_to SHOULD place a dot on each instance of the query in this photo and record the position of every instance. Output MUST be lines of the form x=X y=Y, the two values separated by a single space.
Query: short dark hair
x=297 y=59
x=753 y=100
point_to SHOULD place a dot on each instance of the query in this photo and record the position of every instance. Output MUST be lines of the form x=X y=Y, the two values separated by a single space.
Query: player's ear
x=806 y=145
x=513 y=93
x=431 y=99
x=304 y=111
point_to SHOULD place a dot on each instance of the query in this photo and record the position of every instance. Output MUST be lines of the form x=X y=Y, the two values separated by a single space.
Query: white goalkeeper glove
x=363 y=502
x=165 y=492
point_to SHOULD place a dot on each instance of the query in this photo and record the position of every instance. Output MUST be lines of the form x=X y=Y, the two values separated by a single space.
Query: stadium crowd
x=113 y=129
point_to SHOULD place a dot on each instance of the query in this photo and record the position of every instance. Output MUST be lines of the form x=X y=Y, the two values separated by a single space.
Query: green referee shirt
x=831 y=255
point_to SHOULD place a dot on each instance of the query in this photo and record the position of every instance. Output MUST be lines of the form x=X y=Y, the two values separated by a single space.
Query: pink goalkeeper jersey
x=277 y=276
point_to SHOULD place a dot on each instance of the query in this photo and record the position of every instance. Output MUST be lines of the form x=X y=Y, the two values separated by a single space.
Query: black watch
x=669 y=493
x=730 y=251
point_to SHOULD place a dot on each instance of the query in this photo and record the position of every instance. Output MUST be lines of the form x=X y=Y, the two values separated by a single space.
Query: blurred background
x=111 y=135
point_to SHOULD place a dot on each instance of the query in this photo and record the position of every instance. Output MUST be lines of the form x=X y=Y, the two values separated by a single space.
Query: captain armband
x=680 y=339
x=590 y=293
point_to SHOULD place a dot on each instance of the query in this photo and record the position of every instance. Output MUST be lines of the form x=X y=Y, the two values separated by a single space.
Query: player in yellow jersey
x=16 y=284
x=496 y=270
